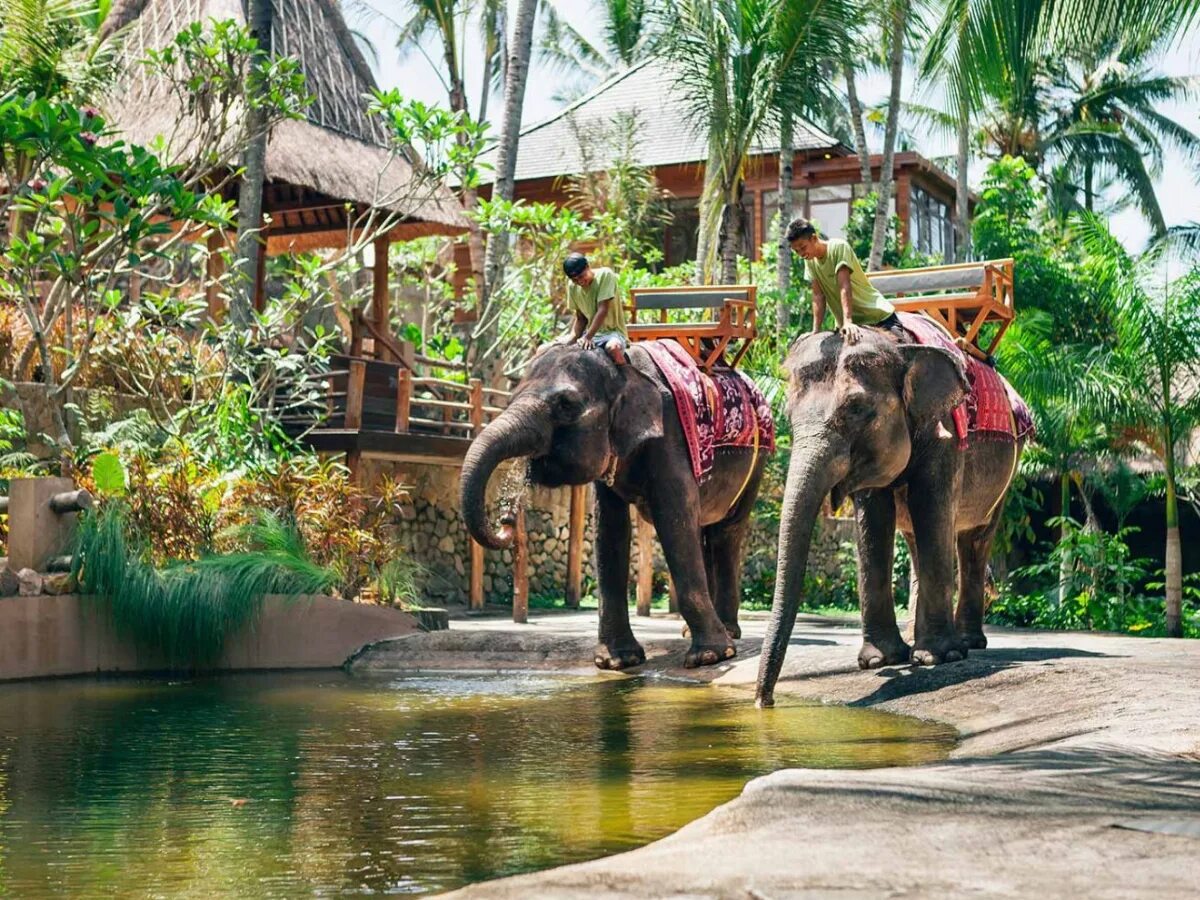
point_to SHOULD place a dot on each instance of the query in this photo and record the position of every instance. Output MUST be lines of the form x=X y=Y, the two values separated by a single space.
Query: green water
x=329 y=785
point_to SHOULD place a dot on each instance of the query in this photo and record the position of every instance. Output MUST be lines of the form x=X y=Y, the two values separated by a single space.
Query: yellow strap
x=750 y=473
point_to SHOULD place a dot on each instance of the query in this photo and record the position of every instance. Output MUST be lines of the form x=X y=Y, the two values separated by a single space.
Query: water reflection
x=286 y=784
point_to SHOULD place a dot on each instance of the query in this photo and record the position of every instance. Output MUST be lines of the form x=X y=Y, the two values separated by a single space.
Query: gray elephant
x=579 y=418
x=873 y=422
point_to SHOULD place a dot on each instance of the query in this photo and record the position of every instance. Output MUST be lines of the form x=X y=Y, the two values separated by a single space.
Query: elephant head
x=858 y=414
x=575 y=416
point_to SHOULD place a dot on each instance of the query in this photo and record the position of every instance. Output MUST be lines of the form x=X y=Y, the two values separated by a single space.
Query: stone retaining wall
x=433 y=531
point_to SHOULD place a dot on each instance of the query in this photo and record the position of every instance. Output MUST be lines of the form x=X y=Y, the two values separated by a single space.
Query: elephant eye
x=567 y=406
x=860 y=408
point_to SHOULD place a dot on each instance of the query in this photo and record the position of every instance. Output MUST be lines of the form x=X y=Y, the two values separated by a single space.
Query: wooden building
x=826 y=172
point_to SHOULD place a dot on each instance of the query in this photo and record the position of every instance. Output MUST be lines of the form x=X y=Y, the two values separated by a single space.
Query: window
x=930 y=228
x=679 y=244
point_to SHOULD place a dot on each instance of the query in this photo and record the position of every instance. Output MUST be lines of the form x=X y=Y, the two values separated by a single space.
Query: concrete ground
x=1078 y=770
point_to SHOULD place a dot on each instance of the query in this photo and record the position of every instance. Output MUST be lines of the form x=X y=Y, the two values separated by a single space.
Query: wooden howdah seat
x=962 y=298
x=729 y=324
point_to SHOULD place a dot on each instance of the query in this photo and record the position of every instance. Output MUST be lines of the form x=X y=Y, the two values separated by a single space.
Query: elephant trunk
x=810 y=475
x=522 y=430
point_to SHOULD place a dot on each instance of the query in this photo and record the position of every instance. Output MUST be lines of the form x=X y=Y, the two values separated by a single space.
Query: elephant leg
x=618 y=648
x=675 y=504
x=723 y=549
x=882 y=643
x=931 y=506
x=974 y=551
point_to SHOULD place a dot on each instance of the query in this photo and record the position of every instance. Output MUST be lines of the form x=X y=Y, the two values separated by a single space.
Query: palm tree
x=254 y=175
x=737 y=64
x=517 y=72
x=999 y=55
x=1146 y=382
x=628 y=36
x=896 y=31
x=1103 y=120
x=445 y=19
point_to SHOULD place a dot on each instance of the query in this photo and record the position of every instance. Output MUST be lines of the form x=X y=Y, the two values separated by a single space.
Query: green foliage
x=1104 y=589
x=860 y=231
x=185 y=611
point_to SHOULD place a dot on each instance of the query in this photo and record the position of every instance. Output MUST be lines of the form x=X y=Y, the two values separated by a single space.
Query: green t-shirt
x=587 y=299
x=867 y=305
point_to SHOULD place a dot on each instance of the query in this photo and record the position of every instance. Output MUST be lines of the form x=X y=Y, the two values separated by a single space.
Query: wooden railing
x=373 y=395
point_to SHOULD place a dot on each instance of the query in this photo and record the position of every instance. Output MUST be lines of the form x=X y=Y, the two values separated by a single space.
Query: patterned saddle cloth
x=992 y=410
x=724 y=409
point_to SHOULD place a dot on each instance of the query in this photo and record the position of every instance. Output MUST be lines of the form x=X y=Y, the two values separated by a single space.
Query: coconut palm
x=1103 y=120
x=628 y=36
x=737 y=64
x=1145 y=382
x=997 y=58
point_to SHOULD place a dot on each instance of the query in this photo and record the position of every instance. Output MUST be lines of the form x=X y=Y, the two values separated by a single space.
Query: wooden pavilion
x=324 y=171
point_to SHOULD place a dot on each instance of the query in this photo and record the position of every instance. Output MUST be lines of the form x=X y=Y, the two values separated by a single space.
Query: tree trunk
x=1174 y=558
x=1088 y=175
x=860 y=132
x=962 y=190
x=704 y=235
x=731 y=241
x=879 y=235
x=469 y=197
x=510 y=131
x=783 y=262
x=1064 y=529
x=254 y=173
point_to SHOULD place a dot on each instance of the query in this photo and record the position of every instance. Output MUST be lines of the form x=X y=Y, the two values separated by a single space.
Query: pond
x=332 y=785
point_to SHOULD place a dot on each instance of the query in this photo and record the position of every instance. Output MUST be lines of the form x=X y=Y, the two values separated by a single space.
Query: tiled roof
x=665 y=134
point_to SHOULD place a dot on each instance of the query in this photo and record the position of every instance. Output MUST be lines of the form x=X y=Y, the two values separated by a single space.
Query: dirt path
x=1078 y=771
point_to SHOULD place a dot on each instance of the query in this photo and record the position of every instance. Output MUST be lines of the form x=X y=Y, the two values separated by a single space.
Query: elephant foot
x=704 y=653
x=945 y=647
x=884 y=652
x=623 y=654
x=733 y=629
x=974 y=638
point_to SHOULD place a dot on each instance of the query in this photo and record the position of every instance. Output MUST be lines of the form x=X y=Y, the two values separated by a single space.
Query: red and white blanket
x=992 y=410
x=724 y=409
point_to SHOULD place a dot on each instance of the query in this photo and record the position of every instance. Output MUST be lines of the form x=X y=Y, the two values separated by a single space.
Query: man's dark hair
x=801 y=228
x=574 y=265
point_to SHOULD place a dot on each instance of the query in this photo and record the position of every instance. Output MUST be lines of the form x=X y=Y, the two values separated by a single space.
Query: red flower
x=90 y=112
x=88 y=138
x=38 y=184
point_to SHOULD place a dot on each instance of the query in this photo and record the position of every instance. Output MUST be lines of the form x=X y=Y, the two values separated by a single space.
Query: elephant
x=870 y=421
x=578 y=417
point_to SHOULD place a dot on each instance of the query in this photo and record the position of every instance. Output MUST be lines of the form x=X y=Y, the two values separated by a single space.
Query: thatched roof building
x=336 y=154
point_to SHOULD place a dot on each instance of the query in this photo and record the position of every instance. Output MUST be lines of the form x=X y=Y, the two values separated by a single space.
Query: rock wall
x=433 y=531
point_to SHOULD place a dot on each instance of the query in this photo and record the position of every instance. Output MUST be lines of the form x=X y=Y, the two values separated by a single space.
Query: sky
x=420 y=74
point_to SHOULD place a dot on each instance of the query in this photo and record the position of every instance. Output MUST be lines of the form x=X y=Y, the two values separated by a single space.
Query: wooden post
x=356 y=333
x=645 y=573
x=477 y=563
x=521 y=571
x=260 y=277
x=354 y=394
x=403 y=399
x=214 y=268
x=380 y=298
x=476 y=406
x=575 y=544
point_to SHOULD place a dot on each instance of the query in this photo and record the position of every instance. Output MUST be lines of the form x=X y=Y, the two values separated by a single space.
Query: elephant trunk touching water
x=522 y=431
x=810 y=477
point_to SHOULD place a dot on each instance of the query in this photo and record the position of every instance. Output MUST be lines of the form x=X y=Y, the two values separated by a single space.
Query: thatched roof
x=337 y=153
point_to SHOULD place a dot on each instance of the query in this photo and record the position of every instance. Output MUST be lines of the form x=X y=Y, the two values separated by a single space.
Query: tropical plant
x=628 y=36
x=1147 y=378
x=185 y=611
x=736 y=65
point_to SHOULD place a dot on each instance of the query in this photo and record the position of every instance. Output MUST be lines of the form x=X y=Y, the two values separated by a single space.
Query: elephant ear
x=935 y=381
x=637 y=413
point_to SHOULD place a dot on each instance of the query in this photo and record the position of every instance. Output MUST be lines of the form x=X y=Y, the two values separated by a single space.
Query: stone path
x=1078 y=771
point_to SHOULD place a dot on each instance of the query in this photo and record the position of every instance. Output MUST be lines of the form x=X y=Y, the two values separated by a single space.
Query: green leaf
x=108 y=474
